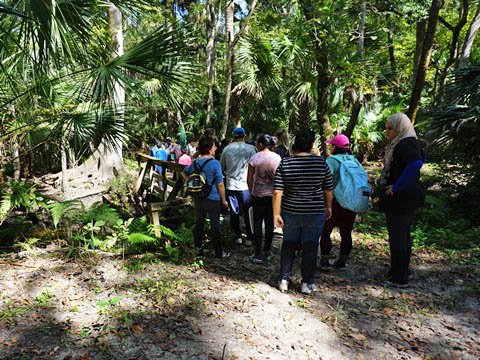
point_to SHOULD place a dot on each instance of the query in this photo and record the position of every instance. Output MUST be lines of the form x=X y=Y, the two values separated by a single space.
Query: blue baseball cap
x=239 y=132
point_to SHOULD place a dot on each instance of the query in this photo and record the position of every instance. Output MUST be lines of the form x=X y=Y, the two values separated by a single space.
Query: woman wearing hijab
x=402 y=193
x=302 y=201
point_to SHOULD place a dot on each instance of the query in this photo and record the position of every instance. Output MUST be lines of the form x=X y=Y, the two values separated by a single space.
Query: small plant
x=106 y=308
x=27 y=245
x=45 y=298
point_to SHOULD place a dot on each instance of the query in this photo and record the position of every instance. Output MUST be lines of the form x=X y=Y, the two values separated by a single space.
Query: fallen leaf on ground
x=137 y=329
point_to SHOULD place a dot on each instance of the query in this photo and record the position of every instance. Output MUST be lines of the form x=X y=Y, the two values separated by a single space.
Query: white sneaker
x=308 y=288
x=239 y=241
x=283 y=286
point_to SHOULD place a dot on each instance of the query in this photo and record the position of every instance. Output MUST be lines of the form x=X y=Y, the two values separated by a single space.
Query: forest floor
x=99 y=306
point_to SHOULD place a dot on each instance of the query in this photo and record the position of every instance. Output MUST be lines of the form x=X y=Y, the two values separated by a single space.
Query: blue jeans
x=244 y=203
x=301 y=231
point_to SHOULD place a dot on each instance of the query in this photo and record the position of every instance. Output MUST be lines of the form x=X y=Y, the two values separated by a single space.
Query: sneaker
x=283 y=286
x=239 y=241
x=257 y=259
x=391 y=283
x=411 y=275
x=323 y=263
x=339 y=264
x=308 y=288
x=224 y=254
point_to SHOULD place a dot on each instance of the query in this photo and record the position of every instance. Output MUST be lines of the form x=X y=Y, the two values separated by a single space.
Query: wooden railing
x=158 y=211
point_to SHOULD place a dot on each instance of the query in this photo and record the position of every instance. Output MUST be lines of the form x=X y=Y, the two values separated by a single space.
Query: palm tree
x=55 y=63
x=456 y=124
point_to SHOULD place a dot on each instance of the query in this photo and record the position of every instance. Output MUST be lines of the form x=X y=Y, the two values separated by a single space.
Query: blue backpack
x=352 y=190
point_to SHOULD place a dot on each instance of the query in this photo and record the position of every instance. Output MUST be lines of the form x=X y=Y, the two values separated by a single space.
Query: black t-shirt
x=407 y=151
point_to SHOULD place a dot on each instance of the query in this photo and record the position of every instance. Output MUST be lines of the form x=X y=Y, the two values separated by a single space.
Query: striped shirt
x=303 y=180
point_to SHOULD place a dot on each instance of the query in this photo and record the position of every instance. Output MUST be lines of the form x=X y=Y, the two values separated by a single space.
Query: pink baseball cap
x=340 y=141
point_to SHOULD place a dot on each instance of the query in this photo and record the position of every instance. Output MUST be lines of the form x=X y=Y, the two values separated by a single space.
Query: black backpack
x=198 y=188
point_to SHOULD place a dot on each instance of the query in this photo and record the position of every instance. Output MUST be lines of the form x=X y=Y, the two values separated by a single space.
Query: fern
x=139 y=225
x=103 y=212
x=18 y=195
x=61 y=209
x=139 y=238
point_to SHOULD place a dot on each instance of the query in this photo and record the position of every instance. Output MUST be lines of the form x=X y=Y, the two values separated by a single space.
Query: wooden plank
x=168 y=204
x=176 y=188
x=164 y=183
x=141 y=176
x=164 y=164
x=156 y=223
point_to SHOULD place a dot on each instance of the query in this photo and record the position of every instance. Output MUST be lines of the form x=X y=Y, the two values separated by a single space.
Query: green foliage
x=20 y=196
x=63 y=209
x=102 y=212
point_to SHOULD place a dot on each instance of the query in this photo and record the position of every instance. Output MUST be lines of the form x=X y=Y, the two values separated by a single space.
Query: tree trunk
x=357 y=102
x=361 y=39
x=391 y=52
x=231 y=41
x=453 y=56
x=469 y=39
x=17 y=165
x=211 y=25
x=110 y=158
x=323 y=83
x=420 y=37
x=63 y=153
x=229 y=12
x=425 y=59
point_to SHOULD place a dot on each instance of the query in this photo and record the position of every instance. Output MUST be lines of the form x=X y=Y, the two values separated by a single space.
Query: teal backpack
x=352 y=190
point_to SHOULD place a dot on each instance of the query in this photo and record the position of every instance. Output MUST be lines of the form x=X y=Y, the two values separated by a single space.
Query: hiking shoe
x=339 y=265
x=224 y=254
x=391 y=283
x=308 y=288
x=283 y=286
x=257 y=259
x=411 y=275
x=323 y=264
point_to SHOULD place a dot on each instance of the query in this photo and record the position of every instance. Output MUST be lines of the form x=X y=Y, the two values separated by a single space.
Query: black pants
x=244 y=202
x=211 y=208
x=262 y=212
x=399 y=226
x=344 y=219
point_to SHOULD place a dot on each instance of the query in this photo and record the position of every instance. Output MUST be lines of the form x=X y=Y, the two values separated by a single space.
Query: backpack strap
x=203 y=165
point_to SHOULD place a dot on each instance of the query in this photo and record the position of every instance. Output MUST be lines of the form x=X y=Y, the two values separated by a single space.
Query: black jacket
x=407 y=151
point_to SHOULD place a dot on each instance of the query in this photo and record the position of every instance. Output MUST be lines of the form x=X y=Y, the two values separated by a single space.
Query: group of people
x=272 y=184
x=171 y=151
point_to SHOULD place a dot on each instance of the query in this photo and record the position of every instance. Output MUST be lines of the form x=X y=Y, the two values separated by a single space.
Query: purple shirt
x=265 y=164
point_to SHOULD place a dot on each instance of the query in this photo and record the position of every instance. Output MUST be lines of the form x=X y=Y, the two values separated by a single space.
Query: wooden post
x=141 y=175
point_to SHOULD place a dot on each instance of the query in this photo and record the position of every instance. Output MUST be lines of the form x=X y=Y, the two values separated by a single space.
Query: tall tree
x=421 y=30
x=211 y=23
x=231 y=41
x=322 y=68
x=425 y=59
x=453 y=51
x=469 y=39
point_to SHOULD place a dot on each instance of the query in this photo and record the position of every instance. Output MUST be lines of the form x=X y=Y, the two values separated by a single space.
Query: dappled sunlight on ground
x=101 y=307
